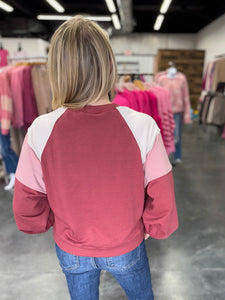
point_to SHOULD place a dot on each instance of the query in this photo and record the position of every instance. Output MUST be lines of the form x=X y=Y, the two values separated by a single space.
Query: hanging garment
x=132 y=100
x=24 y=101
x=121 y=100
x=209 y=116
x=219 y=73
x=42 y=88
x=223 y=134
x=152 y=99
x=8 y=155
x=20 y=54
x=165 y=112
x=16 y=76
x=208 y=78
x=3 y=57
x=6 y=105
x=205 y=108
x=180 y=100
x=156 y=102
x=30 y=111
x=218 y=114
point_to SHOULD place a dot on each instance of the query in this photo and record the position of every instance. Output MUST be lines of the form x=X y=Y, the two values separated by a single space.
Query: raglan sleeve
x=160 y=214
x=31 y=208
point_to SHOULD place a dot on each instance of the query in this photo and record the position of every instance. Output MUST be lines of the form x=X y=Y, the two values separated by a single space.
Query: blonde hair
x=82 y=67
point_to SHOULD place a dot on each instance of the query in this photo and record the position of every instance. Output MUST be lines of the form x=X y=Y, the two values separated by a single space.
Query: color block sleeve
x=160 y=213
x=30 y=203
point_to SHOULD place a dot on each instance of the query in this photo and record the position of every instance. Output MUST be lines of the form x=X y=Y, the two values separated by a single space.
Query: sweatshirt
x=100 y=176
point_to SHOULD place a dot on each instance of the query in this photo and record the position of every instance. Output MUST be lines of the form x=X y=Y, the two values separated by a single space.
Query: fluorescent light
x=54 y=17
x=100 y=18
x=165 y=5
x=68 y=17
x=158 y=22
x=58 y=7
x=111 y=6
x=6 y=6
x=116 y=22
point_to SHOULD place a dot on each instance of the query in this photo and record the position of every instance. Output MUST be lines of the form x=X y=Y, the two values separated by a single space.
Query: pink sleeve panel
x=160 y=214
x=157 y=163
x=31 y=209
x=29 y=171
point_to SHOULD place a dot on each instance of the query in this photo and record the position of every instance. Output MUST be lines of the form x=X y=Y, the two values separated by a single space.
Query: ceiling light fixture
x=54 y=17
x=99 y=18
x=111 y=6
x=165 y=5
x=6 y=6
x=158 y=22
x=116 y=22
x=58 y=7
x=68 y=17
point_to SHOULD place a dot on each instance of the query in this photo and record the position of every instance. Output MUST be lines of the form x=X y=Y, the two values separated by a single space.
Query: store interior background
x=209 y=38
x=190 y=265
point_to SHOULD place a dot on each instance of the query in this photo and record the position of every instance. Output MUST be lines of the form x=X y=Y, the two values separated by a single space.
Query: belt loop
x=93 y=263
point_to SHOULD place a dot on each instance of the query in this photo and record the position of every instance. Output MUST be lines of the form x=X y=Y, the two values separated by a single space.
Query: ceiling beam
x=173 y=8
x=85 y=6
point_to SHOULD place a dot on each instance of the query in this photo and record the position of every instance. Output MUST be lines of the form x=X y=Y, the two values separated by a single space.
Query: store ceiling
x=183 y=16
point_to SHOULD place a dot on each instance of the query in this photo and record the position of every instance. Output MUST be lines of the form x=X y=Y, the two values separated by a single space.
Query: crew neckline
x=99 y=108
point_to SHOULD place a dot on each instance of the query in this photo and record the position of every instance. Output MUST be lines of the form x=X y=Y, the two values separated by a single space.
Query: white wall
x=149 y=43
x=32 y=46
x=212 y=39
x=134 y=63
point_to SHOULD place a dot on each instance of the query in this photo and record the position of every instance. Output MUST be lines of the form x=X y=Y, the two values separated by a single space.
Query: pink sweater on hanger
x=165 y=112
x=121 y=100
x=30 y=111
x=154 y=109
x=3 y=57
x=6 y=106
x=24 y=102
x=180 y=100
x=132 y=99
x=17 y=93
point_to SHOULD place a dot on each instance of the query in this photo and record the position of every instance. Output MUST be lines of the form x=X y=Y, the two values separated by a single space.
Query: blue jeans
x=9 y=157
x=178 y=117
x=131 y=270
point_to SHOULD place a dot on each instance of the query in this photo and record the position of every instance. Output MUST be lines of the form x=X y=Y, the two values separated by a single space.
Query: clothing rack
x=138 y=74
x=220 y=55
x=135 y=75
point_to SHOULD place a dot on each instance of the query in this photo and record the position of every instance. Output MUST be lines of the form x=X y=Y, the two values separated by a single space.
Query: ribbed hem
x=100 y=252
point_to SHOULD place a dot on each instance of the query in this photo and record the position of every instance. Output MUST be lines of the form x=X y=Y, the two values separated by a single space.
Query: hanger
x=19 y=47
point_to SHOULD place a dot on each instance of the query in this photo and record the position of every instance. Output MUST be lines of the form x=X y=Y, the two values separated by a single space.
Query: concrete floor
x=190 y=265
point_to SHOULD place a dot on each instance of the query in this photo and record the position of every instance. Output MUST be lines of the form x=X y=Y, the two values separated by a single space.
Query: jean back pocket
x=67 y=261
x=125 y=261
